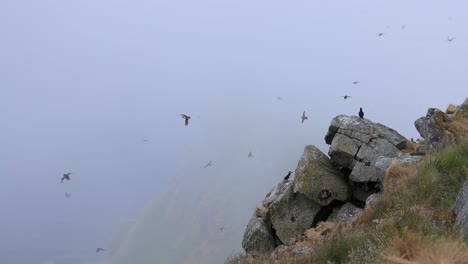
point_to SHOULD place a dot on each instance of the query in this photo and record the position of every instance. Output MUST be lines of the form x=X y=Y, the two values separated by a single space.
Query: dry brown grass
x=410 y=147
x=397 y=176
x=413 y=248
x=451 y=109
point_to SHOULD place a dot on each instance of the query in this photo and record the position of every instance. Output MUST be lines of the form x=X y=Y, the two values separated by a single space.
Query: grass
x=412 y=222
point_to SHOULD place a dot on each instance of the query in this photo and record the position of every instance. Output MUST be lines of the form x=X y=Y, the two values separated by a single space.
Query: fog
x=95 y=88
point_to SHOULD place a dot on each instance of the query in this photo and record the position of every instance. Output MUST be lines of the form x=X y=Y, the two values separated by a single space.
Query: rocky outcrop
x=345 y=213
x=257 y=236
x=432 y=127
x=383 y=162
x=461 y=211
x=291 y=214
x=318 y=180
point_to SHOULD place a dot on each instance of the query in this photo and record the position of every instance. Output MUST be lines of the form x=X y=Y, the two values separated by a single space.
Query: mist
x=95 y=88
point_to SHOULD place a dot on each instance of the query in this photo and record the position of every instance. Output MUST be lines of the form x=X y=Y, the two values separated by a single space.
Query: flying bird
x=355 y=82
x=250 y=154
x=66 y=176
x=287 y=176
x=403 y=27
x=380 y=34
x=145 y=140
x=186 y=117
x=279 y=98
x=208 y=164
x=346 y=96
x=304 y=117
x=361 y=113
x=99 y=249
x=67 y=195
x=450 y=39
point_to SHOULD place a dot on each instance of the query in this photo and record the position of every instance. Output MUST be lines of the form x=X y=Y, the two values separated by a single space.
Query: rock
x=318 y=180
x=343 y=150
x=301 y=250
x=383 y=162
x=461 y=211
x=432 y=127
x=257 y=236
x=362 y=190
x=363 y=173
x=363 y=130
x=372 y=198
x=345 y=214
x=291 y=214
x=462 y=111
x=369 y=153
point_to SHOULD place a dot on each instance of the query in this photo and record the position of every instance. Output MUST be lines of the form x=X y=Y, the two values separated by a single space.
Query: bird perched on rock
x=99 y=249
x=287 y=176
x=186 y=117
x=208 y=164
x=250 y=155
x=346 y=96
x=67 y=195
x=361 y=113
x=66 y=176
x=304 y=117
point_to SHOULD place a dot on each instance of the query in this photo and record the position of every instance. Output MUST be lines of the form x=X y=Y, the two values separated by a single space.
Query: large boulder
x=357 y=143
x=461 y=211
x=318 y=180
x=290 y=214
x=432 y=127
x=257 y=236
x=345 y=213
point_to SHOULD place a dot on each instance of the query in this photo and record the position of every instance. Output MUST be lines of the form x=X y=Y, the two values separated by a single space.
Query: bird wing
x=186 y=121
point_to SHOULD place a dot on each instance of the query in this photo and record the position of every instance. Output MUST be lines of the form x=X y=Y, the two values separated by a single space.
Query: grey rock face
x=383 y=162
x=461 y=211
x=345 y=214
x=257 y=236
x=318 y=180
x=363 y=173
x=291 y=214
x=432 y=126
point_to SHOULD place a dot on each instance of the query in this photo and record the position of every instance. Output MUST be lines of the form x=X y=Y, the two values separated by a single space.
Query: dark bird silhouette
x=186 y=117
x=346 y=96
x=208 y=164
x=66 y=176
x=380 y=34
x=361 y=113
x=99 y=249
x=67 y=195
x=279 y=98
x=304 y=117
x=145 y=140
x=287 y=176
x=355 y=82
x=221 y=229
x=450 y=39
x=403 y=27
x=250 y=154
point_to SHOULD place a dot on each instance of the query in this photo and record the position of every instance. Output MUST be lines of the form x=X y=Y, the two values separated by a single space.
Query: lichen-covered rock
x=301 y=250
x=343 y=150
x=345 y=213
x=363 y=173
x=370 y=152
x=462 y=111
x=432 y=127
x=291 y=214
x=363 y=130
x=257 y=236
x=372 y=198
x=318 y=180
x=461 y=211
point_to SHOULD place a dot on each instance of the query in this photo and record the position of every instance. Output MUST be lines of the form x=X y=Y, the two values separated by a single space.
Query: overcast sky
x=84 y=83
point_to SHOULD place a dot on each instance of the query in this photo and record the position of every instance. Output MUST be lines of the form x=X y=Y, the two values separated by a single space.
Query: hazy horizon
x=95 y=88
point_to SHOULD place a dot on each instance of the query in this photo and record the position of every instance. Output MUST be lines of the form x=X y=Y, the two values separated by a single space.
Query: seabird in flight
x=346 y=96
x=67 y=195
x=304 y=117
x=380 y=34
x=450 y=39
x=355 y=82
x=250 y=154
x=66 y=176
x=186 y=117
x=208 y=164
x=99 y=249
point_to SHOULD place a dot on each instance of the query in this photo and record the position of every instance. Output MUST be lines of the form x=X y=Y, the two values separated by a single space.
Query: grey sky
x=82 y=83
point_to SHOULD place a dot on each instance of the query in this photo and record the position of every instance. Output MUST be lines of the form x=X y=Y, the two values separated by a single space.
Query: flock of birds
x=304 y=117
x=66 y=177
